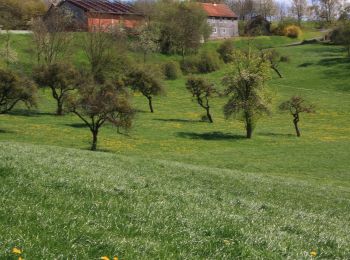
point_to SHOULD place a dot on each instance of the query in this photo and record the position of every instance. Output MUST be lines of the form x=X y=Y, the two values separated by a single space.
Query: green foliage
x=96 y=105
x=292 y=31
x=190 y=65
x=146 y=81
x=183 y=26
x=258 y=26
x=202 y=91
x=246 y=87
x=341 y=35
x=208 y=62
x=16 y=14
x=15 y=89
x=282 y=25
x=147 y=40
x=295 y=106
x=171 y=70
x=205 y=62
x=61 y=78
x=226 y=50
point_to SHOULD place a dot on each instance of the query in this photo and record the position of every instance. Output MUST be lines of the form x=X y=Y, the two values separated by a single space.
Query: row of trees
x=247 y=91
x=323 y=10
x=100 y=93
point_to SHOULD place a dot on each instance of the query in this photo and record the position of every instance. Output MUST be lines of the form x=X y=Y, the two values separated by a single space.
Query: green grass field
x=177 y=187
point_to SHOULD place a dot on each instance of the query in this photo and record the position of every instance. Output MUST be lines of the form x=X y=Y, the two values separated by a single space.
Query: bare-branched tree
x=295 y=106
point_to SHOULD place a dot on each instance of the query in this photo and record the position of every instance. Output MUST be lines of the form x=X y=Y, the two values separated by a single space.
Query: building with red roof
x=222 y=19
x=89 y=15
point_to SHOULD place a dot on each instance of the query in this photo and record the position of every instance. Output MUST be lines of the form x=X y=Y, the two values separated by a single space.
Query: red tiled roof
x=218 y=10
x=102 y=6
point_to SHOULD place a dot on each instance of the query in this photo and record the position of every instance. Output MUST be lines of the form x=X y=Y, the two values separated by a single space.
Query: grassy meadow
x=176 y=187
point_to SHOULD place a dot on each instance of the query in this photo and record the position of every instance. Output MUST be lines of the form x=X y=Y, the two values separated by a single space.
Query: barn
x=223 y=20
x=90 y=15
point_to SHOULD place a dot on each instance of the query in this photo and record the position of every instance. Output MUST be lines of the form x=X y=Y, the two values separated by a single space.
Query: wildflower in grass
x=313 y=253
x=115 y=258
x=20 y=258
x=16 y=251
x=104 y=258
x=226 y=242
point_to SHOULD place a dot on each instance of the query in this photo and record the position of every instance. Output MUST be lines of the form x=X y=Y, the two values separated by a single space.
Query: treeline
x=17 y=14
x=323 y=11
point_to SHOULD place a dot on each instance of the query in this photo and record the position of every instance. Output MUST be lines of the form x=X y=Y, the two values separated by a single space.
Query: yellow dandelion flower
x=20 y=258
x=115 y=258
x=313 y=253
x=104 y=258
x=16 y=251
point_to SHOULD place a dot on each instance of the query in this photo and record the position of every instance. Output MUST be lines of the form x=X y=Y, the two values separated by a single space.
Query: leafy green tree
x=342 y=35
x=61 y=78
x=147 y=39
x=97 y=105
x=145 y=81
x=295 y=106
x=183 y=26
x=202 y=91
x=15 y=89
x=226 y=50
x=247 y=90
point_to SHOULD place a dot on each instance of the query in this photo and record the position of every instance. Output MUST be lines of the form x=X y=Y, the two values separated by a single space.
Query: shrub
x=204 y=63
x=284 y=59
x=190 y=65
x=258 y=26
x=171 y=70
x=226 y=50
x=208 y=62
x=282 y=25
x=292 y=31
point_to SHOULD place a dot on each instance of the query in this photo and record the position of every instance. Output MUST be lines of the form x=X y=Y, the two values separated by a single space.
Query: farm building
x=88 y=15
x=222 y=19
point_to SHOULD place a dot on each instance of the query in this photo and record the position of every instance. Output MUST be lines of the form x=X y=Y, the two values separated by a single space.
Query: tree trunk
x=59 y=110
x=209 y=115
x=296 y=121
x=249 y=125
x=94 y=140
x=277 y=71
x=150 y=104
x=249 y=130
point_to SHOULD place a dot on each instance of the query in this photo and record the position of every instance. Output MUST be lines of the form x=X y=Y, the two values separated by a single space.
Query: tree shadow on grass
x=5 y=131
x=29 y=113
x=77 y=125
x=334 y=61
x=276 y=135
x=210 y=136
x=305 y=65
x=179 y=120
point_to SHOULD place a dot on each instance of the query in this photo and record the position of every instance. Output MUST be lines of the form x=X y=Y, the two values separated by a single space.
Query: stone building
x=223 y=20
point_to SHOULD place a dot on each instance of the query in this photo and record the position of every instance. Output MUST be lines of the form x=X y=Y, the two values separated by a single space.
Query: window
x=214 y=30
x=223 y=30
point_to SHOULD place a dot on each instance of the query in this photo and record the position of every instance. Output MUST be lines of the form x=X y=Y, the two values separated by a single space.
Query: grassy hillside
x=175 y=132
x=177 y=187
x=59 y=203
